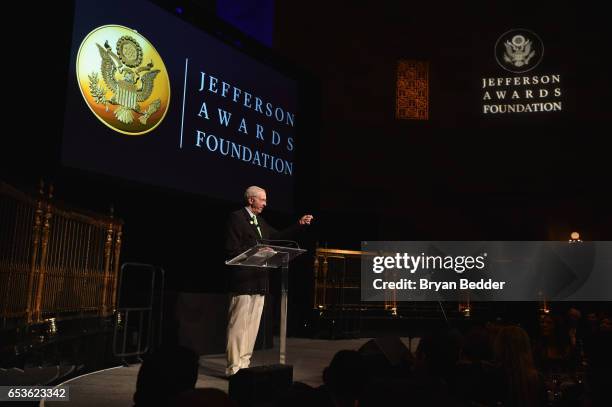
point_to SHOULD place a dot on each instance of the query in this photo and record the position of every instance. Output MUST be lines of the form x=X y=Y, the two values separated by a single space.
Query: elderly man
x=248 y=285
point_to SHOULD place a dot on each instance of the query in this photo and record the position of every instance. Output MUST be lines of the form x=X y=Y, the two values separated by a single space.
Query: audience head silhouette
x=345 y=377
x=164 y=374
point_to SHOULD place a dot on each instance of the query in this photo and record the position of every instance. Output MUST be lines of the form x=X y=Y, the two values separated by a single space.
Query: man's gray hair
x=252 y=191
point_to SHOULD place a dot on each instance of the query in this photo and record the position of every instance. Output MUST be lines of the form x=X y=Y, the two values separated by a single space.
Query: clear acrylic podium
x=266 y=256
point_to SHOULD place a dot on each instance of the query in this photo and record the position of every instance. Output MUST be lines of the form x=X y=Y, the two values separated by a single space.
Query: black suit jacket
x=241 y=235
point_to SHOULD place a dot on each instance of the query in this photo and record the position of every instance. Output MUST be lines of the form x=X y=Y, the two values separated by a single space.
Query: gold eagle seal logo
x=127 y=88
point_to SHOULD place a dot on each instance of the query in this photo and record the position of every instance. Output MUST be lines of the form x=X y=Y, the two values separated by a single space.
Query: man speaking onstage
x=248 y=285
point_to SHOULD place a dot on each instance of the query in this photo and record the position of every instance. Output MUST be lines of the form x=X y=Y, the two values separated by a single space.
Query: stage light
x=575 y=237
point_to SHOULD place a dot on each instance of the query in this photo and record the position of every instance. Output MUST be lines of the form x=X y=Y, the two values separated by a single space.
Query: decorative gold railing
x=55 y=262
x=337 y=284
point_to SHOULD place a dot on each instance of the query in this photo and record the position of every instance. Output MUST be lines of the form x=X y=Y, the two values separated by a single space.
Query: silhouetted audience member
x=477 y=346
x=477 y=378
x=590 y=332
x=553 y=351
x=344 y=380
x=574 y=326
x=522 y=384
x=592 y=322
x=206 y=397
x=396 y=392
x=605 y=323
x=164 y=374
x=428 y=384
x=493 y=328
x=302 y=395
x=437 y=355
x=599 y=369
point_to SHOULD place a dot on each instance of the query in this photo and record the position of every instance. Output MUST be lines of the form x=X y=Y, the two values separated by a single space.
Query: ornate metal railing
x=54 y=262
x=337 y=282
x=337 y=287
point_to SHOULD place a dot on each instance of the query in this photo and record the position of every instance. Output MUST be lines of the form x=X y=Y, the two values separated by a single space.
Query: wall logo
x=123 y=90
x=519 y=50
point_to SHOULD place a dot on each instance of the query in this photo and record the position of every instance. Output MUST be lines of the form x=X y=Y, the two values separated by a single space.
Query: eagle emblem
x=518 y=51
x=130 y=82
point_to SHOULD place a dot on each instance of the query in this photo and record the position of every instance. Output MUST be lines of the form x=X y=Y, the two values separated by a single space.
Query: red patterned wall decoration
x=412 y=93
